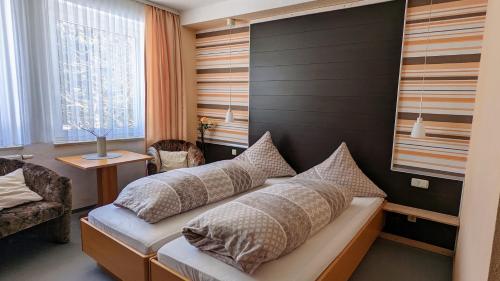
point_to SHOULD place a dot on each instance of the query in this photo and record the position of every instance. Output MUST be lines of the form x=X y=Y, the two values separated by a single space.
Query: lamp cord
x=425 y=60
x=230 y=66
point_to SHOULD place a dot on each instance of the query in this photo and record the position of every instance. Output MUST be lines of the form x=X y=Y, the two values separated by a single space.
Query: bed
x=122 y=244
x=320 y=258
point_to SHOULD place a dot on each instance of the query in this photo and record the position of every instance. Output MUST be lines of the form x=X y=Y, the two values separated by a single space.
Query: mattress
x=305 y=263
x=144 y=237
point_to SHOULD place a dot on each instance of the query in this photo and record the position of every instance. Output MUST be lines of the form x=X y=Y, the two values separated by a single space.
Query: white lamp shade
x=418 y=130
x=229 y=116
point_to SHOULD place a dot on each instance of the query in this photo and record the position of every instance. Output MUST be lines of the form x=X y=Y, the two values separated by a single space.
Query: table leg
x=107 y=185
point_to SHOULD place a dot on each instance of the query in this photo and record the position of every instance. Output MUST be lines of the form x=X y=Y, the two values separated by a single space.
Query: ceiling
x=207 y=14
x=183 y=5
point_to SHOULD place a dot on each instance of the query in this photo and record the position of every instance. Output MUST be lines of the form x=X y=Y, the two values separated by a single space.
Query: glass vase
x=101 y=147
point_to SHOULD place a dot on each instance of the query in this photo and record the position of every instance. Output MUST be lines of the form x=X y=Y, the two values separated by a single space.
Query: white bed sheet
x=144 y=237
x=305 y=263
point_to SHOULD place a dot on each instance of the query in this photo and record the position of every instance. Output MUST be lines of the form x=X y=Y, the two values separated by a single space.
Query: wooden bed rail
x=163 y=273
x=348 y=260
x=116 y=258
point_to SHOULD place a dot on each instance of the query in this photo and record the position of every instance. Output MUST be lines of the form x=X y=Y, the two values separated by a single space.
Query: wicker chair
x=53 y=211
x=195 y=156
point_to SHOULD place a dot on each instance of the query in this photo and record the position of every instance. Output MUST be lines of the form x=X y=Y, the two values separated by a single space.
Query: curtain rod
x=146 y=2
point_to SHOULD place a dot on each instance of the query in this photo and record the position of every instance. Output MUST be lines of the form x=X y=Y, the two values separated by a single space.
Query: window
x=100 y=62
x=10 y=105
x=67 y=66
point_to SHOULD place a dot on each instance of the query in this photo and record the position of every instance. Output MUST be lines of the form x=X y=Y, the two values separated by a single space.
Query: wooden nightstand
x=107 y=181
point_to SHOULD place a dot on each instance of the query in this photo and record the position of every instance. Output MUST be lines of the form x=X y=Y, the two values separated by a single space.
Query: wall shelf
x=417 y=244
x=422 y=214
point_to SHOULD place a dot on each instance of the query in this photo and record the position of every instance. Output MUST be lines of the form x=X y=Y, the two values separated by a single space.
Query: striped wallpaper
x=454 y=51
x=214 y=80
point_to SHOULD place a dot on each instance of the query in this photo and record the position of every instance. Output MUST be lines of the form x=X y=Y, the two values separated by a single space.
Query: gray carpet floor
x=25 y=257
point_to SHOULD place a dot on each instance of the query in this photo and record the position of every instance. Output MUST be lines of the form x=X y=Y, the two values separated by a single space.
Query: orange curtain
x=165 y=95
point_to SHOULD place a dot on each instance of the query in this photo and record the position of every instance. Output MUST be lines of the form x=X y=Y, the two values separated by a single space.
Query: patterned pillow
x=342 y=169
x=172 y=160
x=266 y=157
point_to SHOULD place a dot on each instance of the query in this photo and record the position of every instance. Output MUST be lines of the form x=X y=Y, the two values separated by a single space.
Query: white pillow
x=13 y=190
x=171 y=160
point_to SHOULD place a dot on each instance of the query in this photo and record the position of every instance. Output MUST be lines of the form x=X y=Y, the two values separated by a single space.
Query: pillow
x=266 y=157
x=13 y=190
x=162 y=195
x=266 y=224
x=171 y=160
x=342 y=169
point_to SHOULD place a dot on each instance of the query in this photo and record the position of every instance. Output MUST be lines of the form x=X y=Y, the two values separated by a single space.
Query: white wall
x=231 y=8
x=84 y=183
x=213 y=15
x=482 y=180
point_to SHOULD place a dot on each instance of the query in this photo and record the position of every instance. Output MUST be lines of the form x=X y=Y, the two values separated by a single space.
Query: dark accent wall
x=217 y=152
x=321 y=79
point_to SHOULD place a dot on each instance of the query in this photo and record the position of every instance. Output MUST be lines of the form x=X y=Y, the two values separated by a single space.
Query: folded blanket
x=268 y=223
x=159 y=196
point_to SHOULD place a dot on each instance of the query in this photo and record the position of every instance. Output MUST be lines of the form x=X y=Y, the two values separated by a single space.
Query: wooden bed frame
x=340 y=269
x=118 y=259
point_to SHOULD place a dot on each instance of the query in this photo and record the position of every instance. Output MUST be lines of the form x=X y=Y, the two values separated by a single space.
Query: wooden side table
x=107 y=181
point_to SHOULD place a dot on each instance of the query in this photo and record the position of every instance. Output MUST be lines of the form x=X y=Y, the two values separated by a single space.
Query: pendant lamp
x=418 y=130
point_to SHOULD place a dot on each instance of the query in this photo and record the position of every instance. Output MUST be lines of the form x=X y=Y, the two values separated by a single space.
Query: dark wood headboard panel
x=321 y=79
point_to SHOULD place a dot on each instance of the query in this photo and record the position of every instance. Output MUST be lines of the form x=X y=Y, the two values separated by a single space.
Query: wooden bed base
x=340 y=269
x=118 y=259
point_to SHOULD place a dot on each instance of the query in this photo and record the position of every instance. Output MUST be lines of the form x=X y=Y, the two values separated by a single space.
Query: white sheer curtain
x=100 y=61
x=27 y=71
x=70 y=64
x=11 y=124
x=35 y=58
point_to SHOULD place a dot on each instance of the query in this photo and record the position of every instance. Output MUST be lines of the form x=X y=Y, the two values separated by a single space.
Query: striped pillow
x=341 y=169
x=266 y=157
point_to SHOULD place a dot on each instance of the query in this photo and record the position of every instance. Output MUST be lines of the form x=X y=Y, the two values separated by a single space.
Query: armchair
x=54 y=211
x=195 y=156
